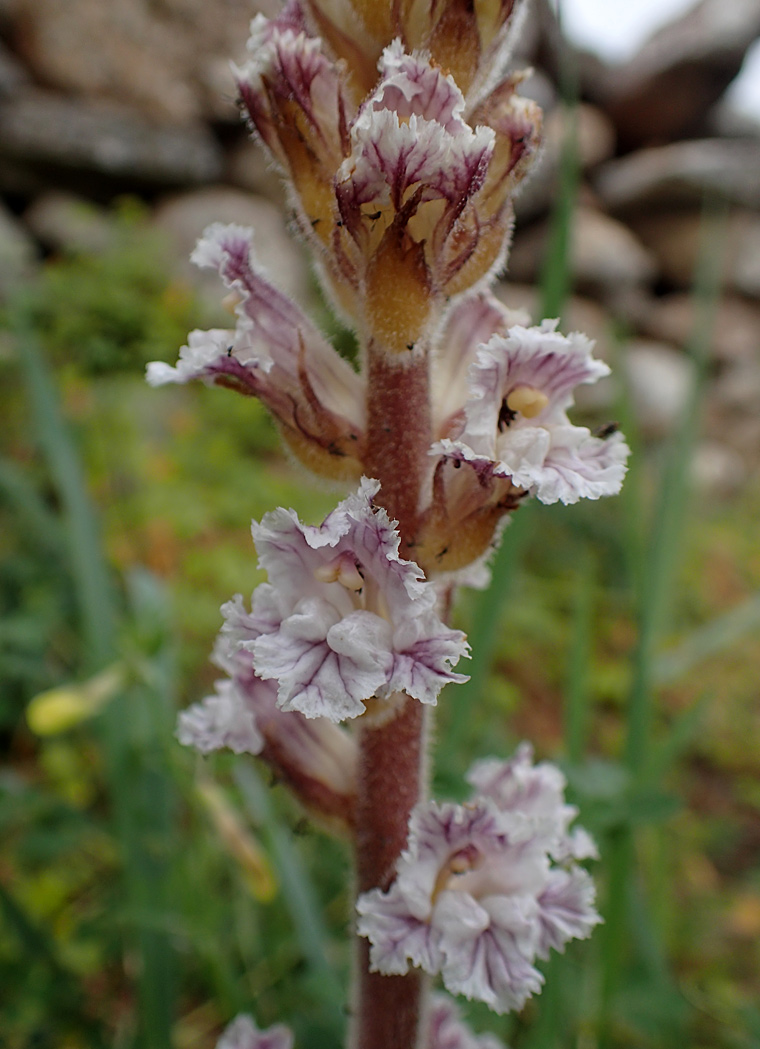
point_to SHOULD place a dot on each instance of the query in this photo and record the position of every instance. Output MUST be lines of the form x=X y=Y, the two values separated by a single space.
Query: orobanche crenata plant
x=401 y=142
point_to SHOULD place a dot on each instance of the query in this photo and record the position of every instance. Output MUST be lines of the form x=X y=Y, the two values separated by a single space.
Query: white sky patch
x=744 y=93
x=616 y=29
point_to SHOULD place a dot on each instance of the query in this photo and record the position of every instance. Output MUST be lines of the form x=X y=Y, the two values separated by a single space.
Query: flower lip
x=515 y=422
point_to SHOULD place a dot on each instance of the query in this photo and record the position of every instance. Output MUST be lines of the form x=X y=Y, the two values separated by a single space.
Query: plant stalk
x=391 y=773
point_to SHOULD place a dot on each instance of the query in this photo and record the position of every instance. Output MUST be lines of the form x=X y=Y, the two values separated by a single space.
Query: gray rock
x=675 y=239
x=249 y=168
x=717 y=469
x=681 y=173
x=605 y=256
x=13 y=76
x=168 y=58
x=672 y=318
x=64 y=222
x=665 y=91
x=39 y=127
x=18 y=257
x=659 y=381
x=733 y=410
x=185 y=216
x=594 y=137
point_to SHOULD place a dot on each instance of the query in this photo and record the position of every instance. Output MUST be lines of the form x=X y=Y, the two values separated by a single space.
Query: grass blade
x=90 y=573
x=298 y=891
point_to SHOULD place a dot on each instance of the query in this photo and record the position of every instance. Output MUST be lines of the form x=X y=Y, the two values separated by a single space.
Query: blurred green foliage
x=114 y=310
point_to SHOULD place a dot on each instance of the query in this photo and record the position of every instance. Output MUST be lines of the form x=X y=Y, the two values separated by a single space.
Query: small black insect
x=606 y=430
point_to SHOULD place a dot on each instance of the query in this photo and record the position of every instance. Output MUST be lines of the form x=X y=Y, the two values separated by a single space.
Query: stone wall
x=98 y=99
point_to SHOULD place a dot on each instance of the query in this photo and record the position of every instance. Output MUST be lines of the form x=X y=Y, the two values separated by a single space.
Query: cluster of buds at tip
x=402 y=190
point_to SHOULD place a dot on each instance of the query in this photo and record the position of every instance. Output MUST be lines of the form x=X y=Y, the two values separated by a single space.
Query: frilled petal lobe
x=411 y=86
x=409 y=146
x=274 y=343
x=533 y=794
x=325 y=666
x=516 y=425
x=566 y=909
x=343 y=618
x=314 y=757
x=477 y=897
x=489 y=947
x=221 y=720
x=243 y=1033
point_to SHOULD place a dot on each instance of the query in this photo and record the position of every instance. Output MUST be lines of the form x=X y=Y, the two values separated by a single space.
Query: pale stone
x=110 y=139
x=594 y=139
x=717 y=469
x=64 y=222
x=162 y=56
x=604 y=254
x=185 y=216
x=665 y=90
x=659 y=381
x=681 y=173
x=676 y=239
x=672 y=318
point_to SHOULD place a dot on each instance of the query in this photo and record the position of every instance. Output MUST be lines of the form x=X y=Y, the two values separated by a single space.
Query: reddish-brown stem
x=391 y=755
x=398 y=436
x=391 y=760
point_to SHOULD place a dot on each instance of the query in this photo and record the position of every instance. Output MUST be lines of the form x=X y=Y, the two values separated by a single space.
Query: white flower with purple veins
x=446 y=1029
x=343 y=618
x=316 y=758
x=243 y=1033
x=274 y=353
x=516 y=423
x=478 y=896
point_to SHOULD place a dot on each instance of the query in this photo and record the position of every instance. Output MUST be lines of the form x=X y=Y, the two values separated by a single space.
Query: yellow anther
x=231 y=302
x=349 y=576
x=327 y=573
x=342 y=571
x=460 y=864
x=527 y=400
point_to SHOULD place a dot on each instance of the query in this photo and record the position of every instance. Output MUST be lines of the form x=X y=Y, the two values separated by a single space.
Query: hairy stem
x=391 y=756
x=399 y=435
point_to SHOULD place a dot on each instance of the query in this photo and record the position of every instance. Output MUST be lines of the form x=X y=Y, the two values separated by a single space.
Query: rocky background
x=135 y=96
